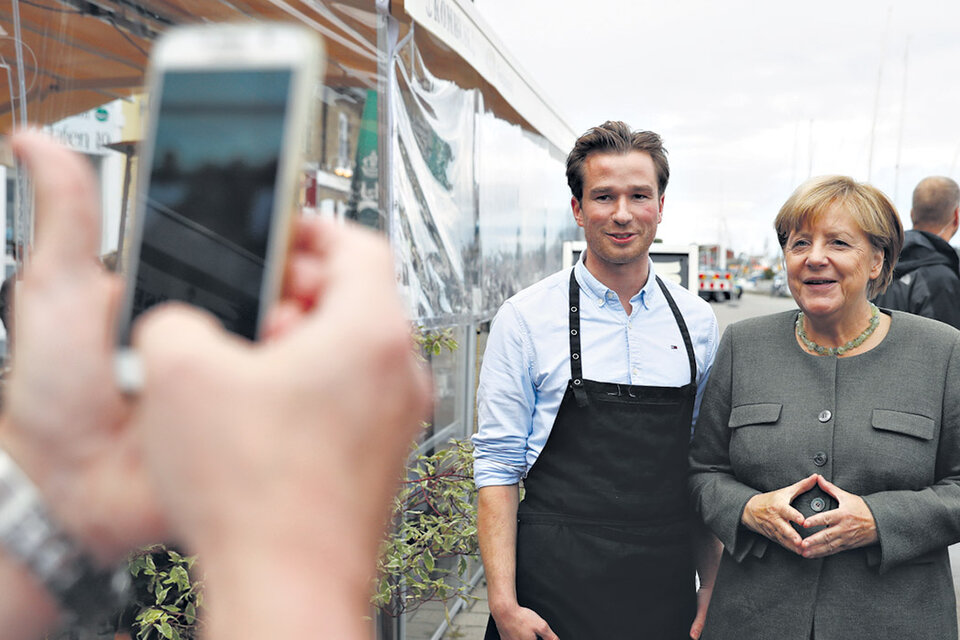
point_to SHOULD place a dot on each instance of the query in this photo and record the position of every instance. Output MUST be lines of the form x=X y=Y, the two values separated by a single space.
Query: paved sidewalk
x=471 y=622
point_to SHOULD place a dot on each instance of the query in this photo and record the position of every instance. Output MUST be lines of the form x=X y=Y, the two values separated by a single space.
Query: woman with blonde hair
x=827 y=453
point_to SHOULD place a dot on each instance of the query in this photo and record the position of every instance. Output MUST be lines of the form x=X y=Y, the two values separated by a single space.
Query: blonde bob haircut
x=873 y=212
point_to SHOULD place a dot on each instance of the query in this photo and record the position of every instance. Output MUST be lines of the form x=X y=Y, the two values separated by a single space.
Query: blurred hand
x=770 y=514
x=521 y=623
x=280 y=459
x=66 y=423
x=849 y=526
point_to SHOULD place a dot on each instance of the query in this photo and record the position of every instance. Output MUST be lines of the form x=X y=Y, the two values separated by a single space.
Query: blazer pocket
x=909 y=424
x=763 y=413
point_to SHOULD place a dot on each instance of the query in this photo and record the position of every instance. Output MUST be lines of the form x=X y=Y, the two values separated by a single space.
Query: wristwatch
x=86 y=593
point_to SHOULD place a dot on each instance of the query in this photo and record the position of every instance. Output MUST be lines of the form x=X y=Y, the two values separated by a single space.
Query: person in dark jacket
x=927 y=276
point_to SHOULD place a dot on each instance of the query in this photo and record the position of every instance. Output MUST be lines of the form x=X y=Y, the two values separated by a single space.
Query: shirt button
x=818 y=504
x=825 y=416
x=819 y=458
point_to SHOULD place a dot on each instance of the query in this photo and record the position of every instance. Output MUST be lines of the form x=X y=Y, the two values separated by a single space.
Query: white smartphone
x=219 y=165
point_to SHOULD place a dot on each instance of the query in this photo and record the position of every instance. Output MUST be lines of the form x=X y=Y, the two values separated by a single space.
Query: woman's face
x=830 y=262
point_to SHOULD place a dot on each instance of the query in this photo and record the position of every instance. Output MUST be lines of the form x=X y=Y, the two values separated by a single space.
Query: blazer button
x=819 y=458
x=825 y=416
x=818 y=504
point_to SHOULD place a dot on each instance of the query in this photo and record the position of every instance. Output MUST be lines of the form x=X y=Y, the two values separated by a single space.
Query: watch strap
x=32 y=536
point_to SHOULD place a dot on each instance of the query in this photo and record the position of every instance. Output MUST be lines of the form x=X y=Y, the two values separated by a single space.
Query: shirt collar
x=599 y=292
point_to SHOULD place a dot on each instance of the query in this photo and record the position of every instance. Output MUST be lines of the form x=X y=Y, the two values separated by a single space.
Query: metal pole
x=903 y=114
x=388 y=628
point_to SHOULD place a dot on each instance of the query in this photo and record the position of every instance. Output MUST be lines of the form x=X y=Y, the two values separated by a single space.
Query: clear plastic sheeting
x=524 y=211
x=434 y=226
x=480 y=204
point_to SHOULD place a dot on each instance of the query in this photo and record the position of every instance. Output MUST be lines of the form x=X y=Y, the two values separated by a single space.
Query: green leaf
x=150 y=616
x=165 y=629
x=179 y=576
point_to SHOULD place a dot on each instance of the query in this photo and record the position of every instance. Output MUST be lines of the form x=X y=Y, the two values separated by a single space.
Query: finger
x=703 y=602
x=792 y=515
x=313 y=235
x=821 y=544
x=281 y=319
x=547 y=633
x=67 y=208
x=696 y=628
x=360 y=300
x=789 y=538
x=830 y=518
x=304 y=279
x=114 y=296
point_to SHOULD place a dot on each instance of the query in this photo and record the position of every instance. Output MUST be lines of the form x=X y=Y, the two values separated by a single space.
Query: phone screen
x=209 y=205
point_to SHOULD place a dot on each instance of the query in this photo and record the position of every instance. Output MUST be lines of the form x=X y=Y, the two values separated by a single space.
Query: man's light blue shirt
x=526 y=365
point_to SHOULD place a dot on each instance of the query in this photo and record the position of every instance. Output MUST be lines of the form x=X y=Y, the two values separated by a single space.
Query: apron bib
x=603 y=536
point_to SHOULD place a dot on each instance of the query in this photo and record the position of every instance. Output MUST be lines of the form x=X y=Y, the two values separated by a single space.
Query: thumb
x=174 y=338
x=66 y=202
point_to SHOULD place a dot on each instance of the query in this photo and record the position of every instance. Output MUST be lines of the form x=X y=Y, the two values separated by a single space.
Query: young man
x=927 y=276
x=589 y=387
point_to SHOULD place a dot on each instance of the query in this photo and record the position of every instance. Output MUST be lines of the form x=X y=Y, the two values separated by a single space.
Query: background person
x=602 y=544
x=269 y=459
x=827 y=452
x=926 y=280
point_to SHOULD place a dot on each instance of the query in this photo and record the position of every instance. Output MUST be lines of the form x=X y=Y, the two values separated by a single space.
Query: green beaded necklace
x=838 y=351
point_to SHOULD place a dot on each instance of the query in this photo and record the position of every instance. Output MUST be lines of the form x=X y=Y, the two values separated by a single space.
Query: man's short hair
x=614 y=136
x=934 y=201
x=869 y=208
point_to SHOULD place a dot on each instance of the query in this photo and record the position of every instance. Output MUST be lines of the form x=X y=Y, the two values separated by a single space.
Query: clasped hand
x=849 y=526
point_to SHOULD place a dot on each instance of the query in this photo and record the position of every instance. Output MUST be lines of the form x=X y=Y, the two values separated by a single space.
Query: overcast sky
x=753 y=97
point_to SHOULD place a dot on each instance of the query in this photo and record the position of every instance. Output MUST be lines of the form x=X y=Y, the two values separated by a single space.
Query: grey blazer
x=884 y=425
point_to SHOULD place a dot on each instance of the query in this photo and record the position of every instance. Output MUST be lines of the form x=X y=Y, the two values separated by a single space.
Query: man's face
x=620 y=209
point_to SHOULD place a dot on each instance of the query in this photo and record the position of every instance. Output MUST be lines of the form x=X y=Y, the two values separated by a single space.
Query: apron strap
x=683 y=331
x=576 y=368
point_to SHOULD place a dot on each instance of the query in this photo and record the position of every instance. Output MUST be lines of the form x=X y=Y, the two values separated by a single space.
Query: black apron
x=604 y=544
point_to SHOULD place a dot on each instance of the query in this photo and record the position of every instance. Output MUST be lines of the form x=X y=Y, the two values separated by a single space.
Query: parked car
x=779 y=286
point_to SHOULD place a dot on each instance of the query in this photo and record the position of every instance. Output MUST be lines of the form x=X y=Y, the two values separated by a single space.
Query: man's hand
x=521 y=623
x=277 y=462
x=770 y=514
x=66 y=423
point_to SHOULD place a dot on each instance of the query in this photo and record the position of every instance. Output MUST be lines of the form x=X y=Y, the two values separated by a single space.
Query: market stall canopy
x=77 y=54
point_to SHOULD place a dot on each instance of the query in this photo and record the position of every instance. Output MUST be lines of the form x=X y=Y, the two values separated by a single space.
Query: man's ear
x=577 y=211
